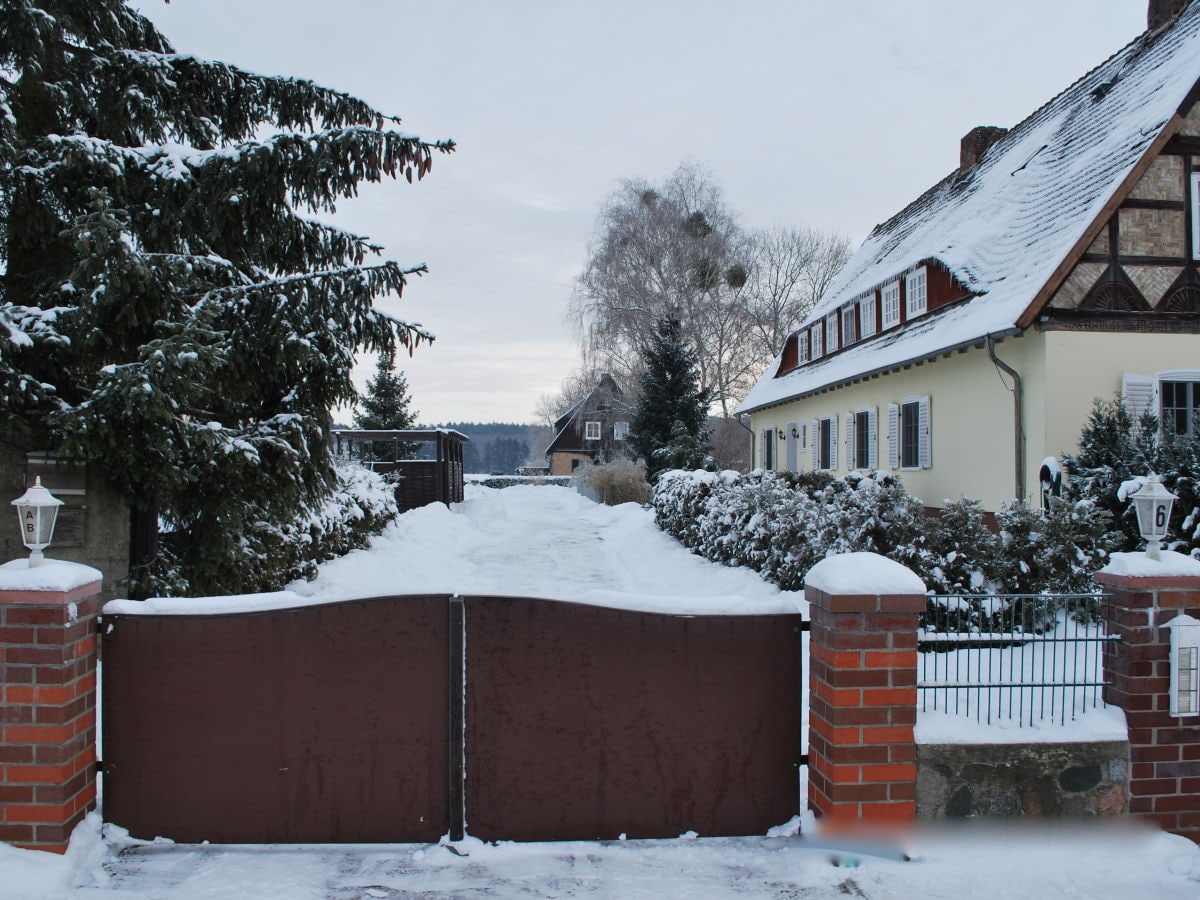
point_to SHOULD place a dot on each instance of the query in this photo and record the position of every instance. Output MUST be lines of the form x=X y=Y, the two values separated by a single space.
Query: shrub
x=620 y=481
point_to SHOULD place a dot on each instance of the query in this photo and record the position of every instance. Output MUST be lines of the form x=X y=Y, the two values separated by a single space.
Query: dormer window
x=831 y=331
x=815 y=341
x=866 y=315
x=802 y=348
x=914 y=291
x=849 y=333
x=890 y=296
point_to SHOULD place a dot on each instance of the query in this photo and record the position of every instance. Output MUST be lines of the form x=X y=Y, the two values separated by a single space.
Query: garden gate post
x=48 y=710
x=1164 y=779
x=863 y=694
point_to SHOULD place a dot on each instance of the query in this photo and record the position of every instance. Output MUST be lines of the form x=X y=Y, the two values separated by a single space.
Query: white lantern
x=37 y=510
x=1152 y=502
x=1185 y=665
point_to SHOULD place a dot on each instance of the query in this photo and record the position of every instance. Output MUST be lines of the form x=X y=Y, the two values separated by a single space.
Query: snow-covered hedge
x=781 y=525
x=361 y=505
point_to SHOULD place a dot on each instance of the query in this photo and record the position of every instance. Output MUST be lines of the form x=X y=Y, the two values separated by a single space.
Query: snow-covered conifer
x=172 y=309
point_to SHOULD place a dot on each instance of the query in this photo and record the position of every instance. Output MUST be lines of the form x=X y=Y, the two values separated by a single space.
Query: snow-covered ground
x=548 y=541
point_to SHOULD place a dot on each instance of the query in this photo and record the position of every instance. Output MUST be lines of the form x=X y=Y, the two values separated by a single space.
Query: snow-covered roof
x=1003 y=227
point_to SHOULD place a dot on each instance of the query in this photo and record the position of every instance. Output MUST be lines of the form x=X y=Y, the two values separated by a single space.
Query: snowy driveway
x=543 y=541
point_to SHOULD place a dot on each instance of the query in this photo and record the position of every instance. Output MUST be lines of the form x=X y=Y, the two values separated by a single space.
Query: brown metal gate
x=584 y=722
x=349 y=721
x=322 y=723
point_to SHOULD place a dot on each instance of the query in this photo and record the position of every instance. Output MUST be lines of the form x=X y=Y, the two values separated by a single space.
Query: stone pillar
x=863 y=694
x=48 y=710
x=1164 y=783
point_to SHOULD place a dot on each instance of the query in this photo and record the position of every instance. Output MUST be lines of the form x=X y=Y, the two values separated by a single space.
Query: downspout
x=1018 y=417
x=737 y=417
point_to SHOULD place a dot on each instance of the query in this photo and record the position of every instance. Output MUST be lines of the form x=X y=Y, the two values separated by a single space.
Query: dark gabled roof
x=1007 y=228
x=605 y=387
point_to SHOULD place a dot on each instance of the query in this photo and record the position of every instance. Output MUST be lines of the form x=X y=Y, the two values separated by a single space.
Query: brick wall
x=1164 y=782
x=48 y=712
x=863 y=695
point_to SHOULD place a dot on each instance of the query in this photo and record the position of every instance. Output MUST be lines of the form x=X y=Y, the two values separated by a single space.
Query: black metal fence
x=1023 y=658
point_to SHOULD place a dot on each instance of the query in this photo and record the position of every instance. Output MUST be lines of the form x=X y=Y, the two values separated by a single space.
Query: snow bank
x=52 y=575
x=1101 y=724
x=1138 y=565
x=523 y=541
x=863 y=573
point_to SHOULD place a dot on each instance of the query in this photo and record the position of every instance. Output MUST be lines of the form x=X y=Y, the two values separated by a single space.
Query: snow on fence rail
x=1025 y=658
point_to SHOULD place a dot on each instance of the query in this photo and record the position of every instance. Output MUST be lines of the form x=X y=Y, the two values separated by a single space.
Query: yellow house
x=964 y=343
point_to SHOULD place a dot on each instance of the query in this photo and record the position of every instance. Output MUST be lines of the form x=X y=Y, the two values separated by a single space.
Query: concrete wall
x=1006 y=780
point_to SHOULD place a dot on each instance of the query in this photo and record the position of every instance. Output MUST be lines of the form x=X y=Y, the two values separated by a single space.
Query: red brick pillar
x=863 y=694
x=48 y=709
x=1164 y=782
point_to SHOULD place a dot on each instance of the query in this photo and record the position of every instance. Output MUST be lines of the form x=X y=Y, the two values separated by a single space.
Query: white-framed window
x=831 y=332
x=1173 y=396
x=802 y=348
x=849 y=332
x=1196 y=215
x=824 y=443
x=620 y=431
x=909 y=438
x=915 y=302
x=815 y=342
x=861 y=435
x=889 y=297
x=866 y=315
x=591 y=431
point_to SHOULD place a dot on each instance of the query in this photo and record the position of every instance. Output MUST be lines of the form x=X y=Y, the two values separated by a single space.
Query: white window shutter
x=793 y=444
x=1139 y=395
x=925 y=448
x=893 y=435
x=833 y=420
x=814 y=439
x=872 y=438
x=848 y=440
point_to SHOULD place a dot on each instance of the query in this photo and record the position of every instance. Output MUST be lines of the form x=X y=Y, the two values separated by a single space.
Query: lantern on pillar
x=37 y=510
x=1152 y=502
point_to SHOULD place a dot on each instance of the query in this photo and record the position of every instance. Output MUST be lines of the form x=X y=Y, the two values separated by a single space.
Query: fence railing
x=1023 y=658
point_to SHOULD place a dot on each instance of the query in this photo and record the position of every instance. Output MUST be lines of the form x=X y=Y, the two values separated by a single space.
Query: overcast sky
x=829 y=114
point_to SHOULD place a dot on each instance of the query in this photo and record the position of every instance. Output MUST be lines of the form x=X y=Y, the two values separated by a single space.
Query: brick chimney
x=975 y=143
x=1160 y=12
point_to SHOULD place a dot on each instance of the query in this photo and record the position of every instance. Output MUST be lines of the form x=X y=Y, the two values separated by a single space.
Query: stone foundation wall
x=1007 y=780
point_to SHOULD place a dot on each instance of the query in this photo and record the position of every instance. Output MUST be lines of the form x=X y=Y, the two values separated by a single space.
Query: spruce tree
x=672 y=409
x=171 y=310
x=386 y=407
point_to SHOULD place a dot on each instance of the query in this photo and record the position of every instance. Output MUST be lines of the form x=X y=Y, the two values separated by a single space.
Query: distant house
x=964 y=343
x=593 y=430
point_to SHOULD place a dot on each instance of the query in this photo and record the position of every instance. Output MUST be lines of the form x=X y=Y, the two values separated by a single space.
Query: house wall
x=971 y=407
x=970 y=423
x=560 y=462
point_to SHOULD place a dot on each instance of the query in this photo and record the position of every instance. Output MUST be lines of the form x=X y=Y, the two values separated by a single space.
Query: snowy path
x=543 y=541
x=1019 y=863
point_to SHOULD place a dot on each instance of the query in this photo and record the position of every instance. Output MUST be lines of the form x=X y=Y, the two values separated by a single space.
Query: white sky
x=830 y=114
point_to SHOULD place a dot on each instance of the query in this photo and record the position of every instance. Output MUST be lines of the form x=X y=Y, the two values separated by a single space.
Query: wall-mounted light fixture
x=795 y=433
x=1185 y=665
x=781 y=436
